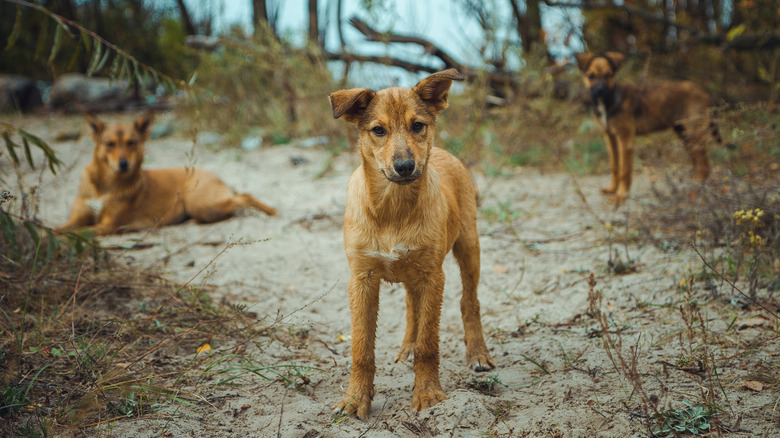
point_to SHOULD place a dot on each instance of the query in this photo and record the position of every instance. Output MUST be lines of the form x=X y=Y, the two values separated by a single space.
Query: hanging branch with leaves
x=123 y=66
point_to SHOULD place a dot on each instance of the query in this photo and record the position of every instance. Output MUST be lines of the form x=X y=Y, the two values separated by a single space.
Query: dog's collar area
x=610 y=99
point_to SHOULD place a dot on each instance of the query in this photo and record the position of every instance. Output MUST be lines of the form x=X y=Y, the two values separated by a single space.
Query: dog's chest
x=601 y=112
x=393 y=257
x=96 y=204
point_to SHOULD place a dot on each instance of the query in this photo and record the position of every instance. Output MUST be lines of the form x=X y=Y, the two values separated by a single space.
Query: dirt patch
x=542 y=235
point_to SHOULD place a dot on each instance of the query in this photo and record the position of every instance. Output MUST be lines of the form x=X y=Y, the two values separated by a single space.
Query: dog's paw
x=354 y=404
x=406 y=350
x=608 y=190
x=422 y=399
x=480 y=362
x=618 y=199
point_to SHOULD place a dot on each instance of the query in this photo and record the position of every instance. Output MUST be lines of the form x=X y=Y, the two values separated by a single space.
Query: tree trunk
x=338 y=24
x=529 y=25
x=259 y=12
x=314 y=25
x=185 y=17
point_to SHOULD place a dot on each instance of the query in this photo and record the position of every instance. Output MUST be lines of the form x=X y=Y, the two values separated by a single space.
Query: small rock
x=162 y=129
x=251 y=143
x=209 y=138
x=311 y=142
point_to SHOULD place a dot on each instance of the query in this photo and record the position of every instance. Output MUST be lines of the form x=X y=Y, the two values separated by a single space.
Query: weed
x=485 y=385
x=502 y=213
x=691 y=419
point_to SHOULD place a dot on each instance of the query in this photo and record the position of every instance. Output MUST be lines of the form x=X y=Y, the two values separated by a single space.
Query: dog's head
x=600 y=72
x=120 y=146
x=396 y=125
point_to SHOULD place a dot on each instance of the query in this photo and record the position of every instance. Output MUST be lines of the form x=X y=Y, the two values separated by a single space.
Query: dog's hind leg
x=223 y=208
x=466 y=252
x=696 y=148
x=246 y=200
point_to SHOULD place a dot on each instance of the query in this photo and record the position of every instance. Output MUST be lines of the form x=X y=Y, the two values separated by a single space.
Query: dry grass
x=89 y=342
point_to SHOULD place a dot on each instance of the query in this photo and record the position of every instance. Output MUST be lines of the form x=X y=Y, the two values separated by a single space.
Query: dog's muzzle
x=600 y=92
x=405 y=172
x=123 y=165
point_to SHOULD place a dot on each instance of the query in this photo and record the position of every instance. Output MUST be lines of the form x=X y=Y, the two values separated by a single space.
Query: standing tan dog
x=624 y=111
x=408 y=204
x=116 y=195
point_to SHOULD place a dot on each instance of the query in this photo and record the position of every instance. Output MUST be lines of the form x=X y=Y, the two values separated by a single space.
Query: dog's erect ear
x=434 y=89
x=350 y=104
x=95 y=126
x=583 y=60
x=143 y=124
x=615 y=58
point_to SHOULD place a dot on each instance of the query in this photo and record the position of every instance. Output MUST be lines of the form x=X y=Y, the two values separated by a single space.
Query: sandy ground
x=556 y=379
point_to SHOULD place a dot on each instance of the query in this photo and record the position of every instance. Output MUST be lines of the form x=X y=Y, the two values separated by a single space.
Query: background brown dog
x=116 y=195
x=624 y=111
x=408 y=204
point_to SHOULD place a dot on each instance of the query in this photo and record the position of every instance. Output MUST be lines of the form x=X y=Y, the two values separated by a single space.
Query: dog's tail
x=246 y=200
x=715 y=131
x=679 y=129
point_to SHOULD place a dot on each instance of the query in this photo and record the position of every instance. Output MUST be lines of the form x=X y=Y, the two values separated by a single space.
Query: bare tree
x=264 y=15
x=314 y=26
x=186 y=18
x=529 y=24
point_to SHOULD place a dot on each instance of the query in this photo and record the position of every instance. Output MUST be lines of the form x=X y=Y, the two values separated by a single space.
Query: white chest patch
x=602 y=112
x=399 y=252
x=95 y=204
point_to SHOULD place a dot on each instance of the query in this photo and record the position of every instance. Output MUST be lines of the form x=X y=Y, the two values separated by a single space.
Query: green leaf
x=115 y=66
x=27 y=152
x=11 y=146
x=53 y=245
x=55 y=48
x=33 y=232
x=86 y=41
x=43 y=39
x=51 y=157
x=95 y=58
x=16 y=31
x=735 y=32
x=103 y=61
x=75 y=57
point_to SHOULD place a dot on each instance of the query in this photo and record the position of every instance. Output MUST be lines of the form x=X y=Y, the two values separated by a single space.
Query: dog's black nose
x=123 y=166
x=599 y=90
x=404 y=168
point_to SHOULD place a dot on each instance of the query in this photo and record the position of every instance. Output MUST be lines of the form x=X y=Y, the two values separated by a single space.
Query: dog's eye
x=591 y=76
x=417 y=126
x=378 y=131
x=131 y=143
x=110 y=144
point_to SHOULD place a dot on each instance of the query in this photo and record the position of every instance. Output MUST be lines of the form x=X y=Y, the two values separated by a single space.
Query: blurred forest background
x=258 y=75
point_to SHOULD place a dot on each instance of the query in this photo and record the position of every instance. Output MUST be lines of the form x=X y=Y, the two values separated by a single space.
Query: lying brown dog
x=116 y=195
x=408 y=205
x=624 y=111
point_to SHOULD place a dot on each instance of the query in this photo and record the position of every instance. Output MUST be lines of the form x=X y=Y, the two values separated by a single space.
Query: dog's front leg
x=426 y=297
x=412 y=317
x=614 y=166
x=625 y=148
x=364 y=308
x=81 y=215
